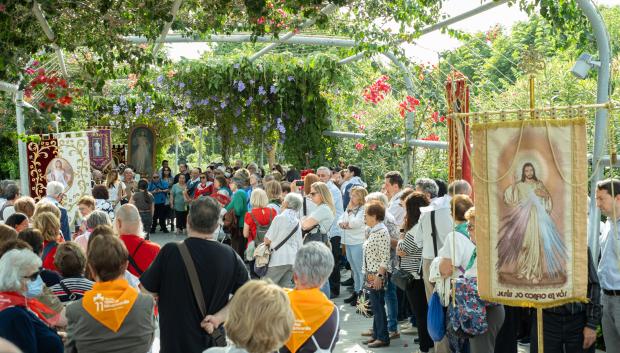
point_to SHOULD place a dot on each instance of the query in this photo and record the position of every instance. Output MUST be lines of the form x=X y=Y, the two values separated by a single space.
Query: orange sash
x=312 y=309
x=110 y=302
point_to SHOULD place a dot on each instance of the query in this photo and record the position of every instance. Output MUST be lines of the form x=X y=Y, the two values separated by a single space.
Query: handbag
x=249 y=251
x=402 y=279
x=217 y=337
x=468 y=315
x=262 y=254
x=436 y=318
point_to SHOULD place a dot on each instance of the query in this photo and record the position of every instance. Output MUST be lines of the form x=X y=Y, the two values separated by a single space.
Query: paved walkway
x=353 y=324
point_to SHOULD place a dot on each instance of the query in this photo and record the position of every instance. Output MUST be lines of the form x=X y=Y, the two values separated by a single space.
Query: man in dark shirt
x=182 y=170
x=221 y=272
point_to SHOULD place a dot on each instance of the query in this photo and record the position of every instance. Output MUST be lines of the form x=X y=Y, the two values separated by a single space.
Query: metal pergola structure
x=587 y=6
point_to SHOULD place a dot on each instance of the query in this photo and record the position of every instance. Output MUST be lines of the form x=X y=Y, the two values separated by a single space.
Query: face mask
x=35 y=288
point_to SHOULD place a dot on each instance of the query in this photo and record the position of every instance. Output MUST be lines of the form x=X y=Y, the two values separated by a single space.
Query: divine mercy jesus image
x=530 y=249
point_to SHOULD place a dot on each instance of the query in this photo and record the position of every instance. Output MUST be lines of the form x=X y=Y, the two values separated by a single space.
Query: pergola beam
x=439 y=25
x=164 y=32
x=36 y=9
x=8 y=87
x=245 y=38
x=310 y=22
x=411 y=142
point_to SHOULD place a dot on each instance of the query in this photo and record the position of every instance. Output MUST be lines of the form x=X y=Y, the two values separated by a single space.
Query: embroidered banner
x=40 y=154
x=100 y=147
x=457 y=96
x=73 y=150
x=531 y=211
x=119 y=155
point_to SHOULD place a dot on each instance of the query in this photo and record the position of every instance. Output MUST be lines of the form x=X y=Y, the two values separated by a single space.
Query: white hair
x=325 y=169
x=54 y=188
x=14 y=266
x=378 y=196
x=128 y=213
x=293 y=201
x=313 y=264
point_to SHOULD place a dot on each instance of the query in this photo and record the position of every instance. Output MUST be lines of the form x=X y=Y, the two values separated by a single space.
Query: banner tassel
x=539 y=329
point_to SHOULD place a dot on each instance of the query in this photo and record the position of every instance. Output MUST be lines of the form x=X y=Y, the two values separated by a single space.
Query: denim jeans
x=355 y=256
x=325 y=289
x=379 y=319
x=392 y=306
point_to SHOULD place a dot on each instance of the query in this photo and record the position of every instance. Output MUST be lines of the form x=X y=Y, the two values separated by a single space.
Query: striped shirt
x=71 y=288
x=412 y=261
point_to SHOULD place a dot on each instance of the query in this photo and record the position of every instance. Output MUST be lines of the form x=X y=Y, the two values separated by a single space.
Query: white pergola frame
x=587 y=6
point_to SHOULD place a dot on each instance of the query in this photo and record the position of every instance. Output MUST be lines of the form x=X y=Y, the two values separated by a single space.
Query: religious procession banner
x=119 y=155
x=73 y=170
x=39 y=155
x=531 y=203
x=100 y=148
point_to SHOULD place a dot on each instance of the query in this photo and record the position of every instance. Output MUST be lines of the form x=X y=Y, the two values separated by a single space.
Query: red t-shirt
x=262 y=215
x=48 y=261
x=142 y=255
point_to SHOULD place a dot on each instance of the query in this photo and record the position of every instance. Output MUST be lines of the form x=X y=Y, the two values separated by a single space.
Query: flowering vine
x=376 y=92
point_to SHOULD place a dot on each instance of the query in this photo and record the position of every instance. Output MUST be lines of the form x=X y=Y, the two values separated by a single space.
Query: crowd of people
x=261 y=263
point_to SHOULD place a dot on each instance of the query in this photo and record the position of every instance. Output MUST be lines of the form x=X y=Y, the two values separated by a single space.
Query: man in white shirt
x=608 y=201
x=334 y=233
x=393 y=184
x=438 y=213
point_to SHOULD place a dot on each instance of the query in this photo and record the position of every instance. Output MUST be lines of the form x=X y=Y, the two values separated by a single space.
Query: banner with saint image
x=100 y=147
x=530 y=178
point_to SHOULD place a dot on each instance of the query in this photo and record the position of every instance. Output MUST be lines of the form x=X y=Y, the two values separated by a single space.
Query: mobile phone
x=299 y=183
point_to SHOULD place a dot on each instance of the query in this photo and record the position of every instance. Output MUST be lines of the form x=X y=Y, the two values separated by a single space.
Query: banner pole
x=539 y=329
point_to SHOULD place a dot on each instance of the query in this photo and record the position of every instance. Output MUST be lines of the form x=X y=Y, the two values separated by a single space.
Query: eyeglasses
x=33 y=277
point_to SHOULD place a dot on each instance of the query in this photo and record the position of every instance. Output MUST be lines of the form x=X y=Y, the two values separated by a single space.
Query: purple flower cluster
x=261 y=90
x=116 y=109
x=273 y=89
x=248 y=102
x=240 y=86
x=234 y=129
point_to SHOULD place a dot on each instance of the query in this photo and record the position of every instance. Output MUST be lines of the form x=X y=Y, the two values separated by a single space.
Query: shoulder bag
x=217 y=337
x=262 y=255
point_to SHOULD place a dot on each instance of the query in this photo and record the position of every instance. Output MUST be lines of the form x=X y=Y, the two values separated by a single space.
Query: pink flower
x=359 y=146
x=373 y=147
x=260 y=20
x=2 y=8
x=362 y=127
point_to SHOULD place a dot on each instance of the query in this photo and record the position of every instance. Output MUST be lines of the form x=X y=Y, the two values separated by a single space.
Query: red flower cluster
x=376 y=92
x=408 y=105
x=56 y=89
x=431 y=137
x=359 y=146
x=438 y=120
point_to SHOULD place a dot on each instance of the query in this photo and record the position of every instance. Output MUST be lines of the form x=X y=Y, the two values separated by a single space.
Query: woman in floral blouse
x=376 y=268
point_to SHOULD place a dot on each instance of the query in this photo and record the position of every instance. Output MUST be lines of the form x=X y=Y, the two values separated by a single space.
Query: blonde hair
x=46 y=207
x=470 y=215
x=273 y=190
x=87 y=200
x=48 y=224
x=360 y=193
x=326 y=195
x=25 y=205
x=258 y=198
x=260 y=319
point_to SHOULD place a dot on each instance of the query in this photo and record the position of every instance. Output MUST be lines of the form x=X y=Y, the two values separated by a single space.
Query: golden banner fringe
x=529 y=304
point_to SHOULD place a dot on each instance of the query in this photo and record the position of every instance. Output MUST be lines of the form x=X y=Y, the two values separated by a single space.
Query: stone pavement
x=352 y=326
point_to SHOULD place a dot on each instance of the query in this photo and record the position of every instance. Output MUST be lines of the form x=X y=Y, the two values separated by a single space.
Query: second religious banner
x=531 y=196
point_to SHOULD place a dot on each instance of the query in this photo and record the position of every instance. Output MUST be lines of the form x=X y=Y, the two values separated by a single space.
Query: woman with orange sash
x=23 y=319
x=113 y=316
x=317 y=323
